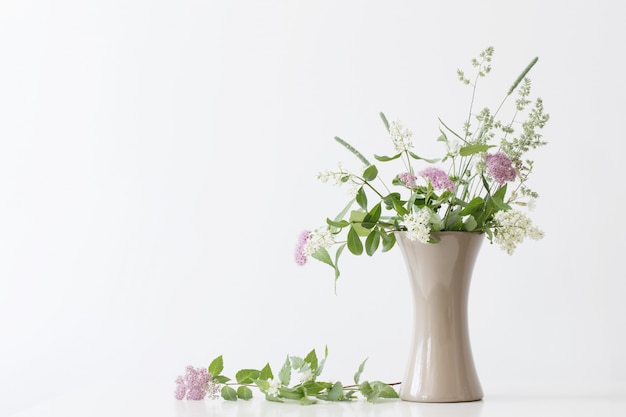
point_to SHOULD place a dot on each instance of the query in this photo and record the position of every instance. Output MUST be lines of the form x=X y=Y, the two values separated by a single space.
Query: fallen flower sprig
x=197 y=383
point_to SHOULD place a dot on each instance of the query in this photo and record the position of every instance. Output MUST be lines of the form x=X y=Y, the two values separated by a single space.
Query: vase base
x=440 y=401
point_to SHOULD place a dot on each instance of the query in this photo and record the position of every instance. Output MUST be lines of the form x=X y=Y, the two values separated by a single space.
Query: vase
x=440 y=367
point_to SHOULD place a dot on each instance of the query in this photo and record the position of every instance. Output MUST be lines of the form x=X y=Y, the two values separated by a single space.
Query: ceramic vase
x=440 y=367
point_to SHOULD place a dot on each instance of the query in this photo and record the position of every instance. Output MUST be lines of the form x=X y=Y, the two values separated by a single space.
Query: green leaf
x=356 y=218
x=353 y=150
x=314 y=387
x=228 y=393
x=370 y=173
x=473 y=149
x=361 y=198
x=322 y=255
x=496 y=201
x=266 y=373
x=295 y=393
x=244 y=392
x=368 y=391
x=372 y=242
x=485 y=183
x=431 y=161
x=285 y=373
x=470 y=224
x=297 y=362
x=307 y=401
x=339 y=224
x=370 y=219
x=337 y=255
x=345 y=210
x=247 y=376
x=357 y=376
x=335 y=393
x=220 y=379
x=393 y=201
x=273 y=399
x=383 y=158
x=383 y=390
x=311 y=359
x=384 y=119
x=263 y=385
x=389 y=240
x=476 y=203
x=500 y=193
x=217 y=366
x=320 y=367
x=451 y=131
x=453 y=221
x=354 y=242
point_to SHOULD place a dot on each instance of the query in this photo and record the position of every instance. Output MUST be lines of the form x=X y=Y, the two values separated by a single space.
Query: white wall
x=158 y=160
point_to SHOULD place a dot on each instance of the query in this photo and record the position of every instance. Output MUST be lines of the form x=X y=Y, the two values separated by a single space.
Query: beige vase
x=441 y=367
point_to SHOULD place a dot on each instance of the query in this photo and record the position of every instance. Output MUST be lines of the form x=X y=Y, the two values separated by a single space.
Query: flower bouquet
x=473 y=187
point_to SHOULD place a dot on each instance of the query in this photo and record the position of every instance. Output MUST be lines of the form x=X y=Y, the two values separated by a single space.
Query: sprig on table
x=297 y=380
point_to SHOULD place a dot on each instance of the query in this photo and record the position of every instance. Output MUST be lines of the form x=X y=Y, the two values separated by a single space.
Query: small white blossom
x=319 y=238
x=306 y=375
x=400 y=136
x=353 y=181
x=274 y=389
x=454 y=146
x=512 y=227
x=336 y=176
x=418 y=225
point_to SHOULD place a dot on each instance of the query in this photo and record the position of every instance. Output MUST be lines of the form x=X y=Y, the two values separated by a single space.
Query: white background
x=158 y=161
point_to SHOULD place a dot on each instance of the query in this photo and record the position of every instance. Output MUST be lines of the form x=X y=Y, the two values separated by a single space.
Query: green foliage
x=307 y=388
x=247 y=376
x=472 y=193
x=244 y=393
x=228 y=393
x=216 y=366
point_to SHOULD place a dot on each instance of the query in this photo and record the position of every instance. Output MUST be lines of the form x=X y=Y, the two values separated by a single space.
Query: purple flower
x=194 y=384
x=408 y=179
x=438 y=178
x=500 y=167
x=300 y=254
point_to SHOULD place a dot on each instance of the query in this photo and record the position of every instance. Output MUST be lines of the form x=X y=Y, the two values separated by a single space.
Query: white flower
x=306 y=375
x=336 y=176
x=274 y=389
x=512 y=226
x=453 y=146
x=319 y=238
x=418 y=225
x=343 y=177
x=400 y=136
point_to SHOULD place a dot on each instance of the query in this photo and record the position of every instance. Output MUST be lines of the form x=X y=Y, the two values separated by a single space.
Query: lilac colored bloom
x=300 y=254
x=408 y=179
x=500 y=167
x=438 y=178
x=194 y=384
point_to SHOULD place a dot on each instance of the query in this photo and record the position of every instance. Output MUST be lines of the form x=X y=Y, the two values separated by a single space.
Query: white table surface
x=118 y=400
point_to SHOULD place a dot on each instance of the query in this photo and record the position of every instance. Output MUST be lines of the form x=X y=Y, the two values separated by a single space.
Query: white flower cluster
x=319 y=238
x=305 y=375
x=400 y=136
x=335 y=176
x=512 y=226
x=418 y=225
x=338 y=178
x=274 y=389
